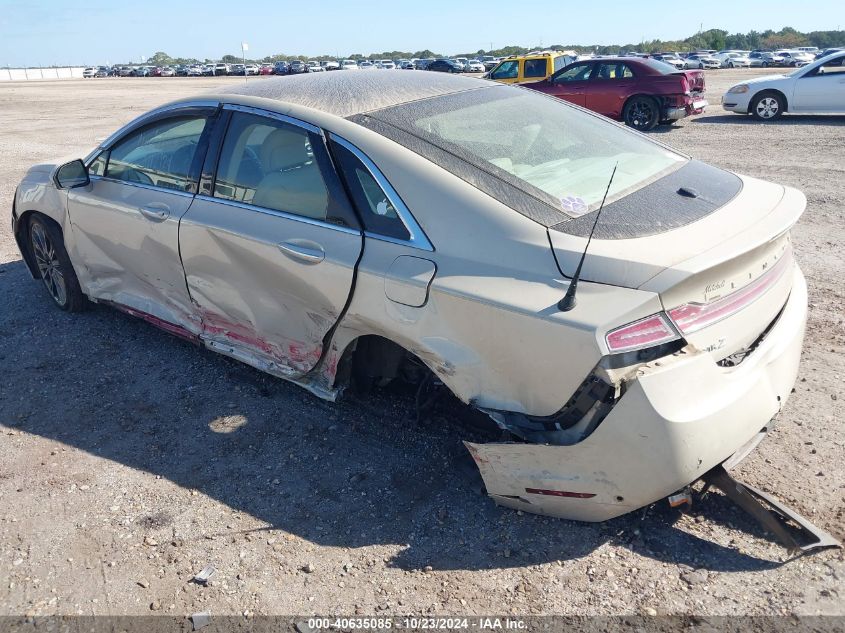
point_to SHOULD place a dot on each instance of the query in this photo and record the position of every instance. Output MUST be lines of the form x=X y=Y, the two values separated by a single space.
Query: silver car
x=632 y=318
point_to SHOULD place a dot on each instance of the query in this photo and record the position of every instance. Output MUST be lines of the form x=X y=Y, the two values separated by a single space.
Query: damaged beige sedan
x=338 y=227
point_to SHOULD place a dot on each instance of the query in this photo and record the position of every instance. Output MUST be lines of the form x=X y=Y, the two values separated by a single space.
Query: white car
x=817 y=88
x=795 y=58
x=701 y=62
x=765 y=60
x=348 y=64
x=733 y=60
x=475 y=66
x=315 y=67
x=90 y=72
x=330 y=65
x=252 y=69
x=666 y=58
x=386 y=64
x=366 y=65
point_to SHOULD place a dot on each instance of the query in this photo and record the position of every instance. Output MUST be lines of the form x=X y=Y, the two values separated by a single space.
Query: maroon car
x=641 y=92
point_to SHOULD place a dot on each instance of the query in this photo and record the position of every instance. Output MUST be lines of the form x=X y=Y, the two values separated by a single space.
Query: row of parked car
x=458 y=64
x=731 y=58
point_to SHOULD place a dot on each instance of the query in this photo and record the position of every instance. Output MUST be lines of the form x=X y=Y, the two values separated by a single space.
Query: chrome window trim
x=138 y=122
x=418 y=238
x=140 y=185
x=284 y=118
x=280 y=214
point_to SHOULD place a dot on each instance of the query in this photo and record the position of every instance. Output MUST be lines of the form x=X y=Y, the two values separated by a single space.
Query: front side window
x=578 y=72
x=506 y=70
x=160 y=154
x=374 y=205
x=271 y=164
x=535 y=68
x=834 y=67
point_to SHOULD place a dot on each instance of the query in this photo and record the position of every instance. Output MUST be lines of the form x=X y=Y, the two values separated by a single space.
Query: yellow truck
x=520 y=69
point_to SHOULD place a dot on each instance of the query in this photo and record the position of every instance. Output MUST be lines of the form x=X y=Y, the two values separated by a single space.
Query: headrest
x=283 y=149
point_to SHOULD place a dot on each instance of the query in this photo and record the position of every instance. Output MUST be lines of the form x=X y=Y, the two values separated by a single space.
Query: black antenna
x=568 y=302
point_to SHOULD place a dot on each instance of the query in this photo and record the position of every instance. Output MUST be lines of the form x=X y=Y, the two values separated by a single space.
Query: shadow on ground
x=787 y=119
x=351 y=474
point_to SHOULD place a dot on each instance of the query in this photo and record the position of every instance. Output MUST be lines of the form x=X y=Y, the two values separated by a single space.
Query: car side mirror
x=73 y=174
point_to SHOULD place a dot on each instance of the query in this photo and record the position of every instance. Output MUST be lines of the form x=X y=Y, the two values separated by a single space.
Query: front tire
x=51 y=258
x=765 y=64
x=768 y=106
x=641 y=113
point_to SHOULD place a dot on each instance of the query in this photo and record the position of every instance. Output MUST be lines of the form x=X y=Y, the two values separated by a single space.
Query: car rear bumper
x=679 y=418
x=692 y=106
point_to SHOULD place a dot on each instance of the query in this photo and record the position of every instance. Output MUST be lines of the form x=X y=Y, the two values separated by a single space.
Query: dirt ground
x=130 y=460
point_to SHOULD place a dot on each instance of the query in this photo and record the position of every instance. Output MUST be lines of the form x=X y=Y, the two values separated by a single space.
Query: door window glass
x=614 y=71
x=506 y=70
x=535 y=68
x=579 y=72
x=271 y=164
x=377 y=211
x=160 y=154
x=832 y=67
x=98 y=165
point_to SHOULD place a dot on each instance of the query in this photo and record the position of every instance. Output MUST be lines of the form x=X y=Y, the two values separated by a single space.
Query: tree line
x=717 y=39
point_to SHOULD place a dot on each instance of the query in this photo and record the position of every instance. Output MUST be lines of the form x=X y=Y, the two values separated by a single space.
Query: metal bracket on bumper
x=780 y=521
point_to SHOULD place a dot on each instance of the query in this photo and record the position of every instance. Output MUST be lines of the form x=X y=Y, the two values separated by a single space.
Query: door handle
x=308 y=254
x=155 y=211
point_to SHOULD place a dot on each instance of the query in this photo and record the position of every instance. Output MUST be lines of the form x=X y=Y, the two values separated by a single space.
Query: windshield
x=539 y=144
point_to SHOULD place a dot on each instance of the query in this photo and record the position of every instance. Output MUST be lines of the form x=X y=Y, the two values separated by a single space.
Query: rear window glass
x=662 y=67
x=539 y=144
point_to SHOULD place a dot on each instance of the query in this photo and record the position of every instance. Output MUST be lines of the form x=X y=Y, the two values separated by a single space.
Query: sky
x=84 y=32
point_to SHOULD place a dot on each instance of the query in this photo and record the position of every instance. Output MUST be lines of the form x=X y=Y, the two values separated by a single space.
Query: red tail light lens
x=691 y=317
x=647 y=332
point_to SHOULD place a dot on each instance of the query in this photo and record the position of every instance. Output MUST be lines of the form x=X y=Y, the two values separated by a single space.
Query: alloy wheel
x=48 y=263
x=767 y=108
x=641 y=114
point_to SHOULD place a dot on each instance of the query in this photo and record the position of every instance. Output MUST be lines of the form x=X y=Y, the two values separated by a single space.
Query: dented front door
x=270 y=255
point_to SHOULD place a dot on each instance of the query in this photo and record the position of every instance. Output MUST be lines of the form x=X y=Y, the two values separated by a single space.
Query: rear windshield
x=551 y=151
x=662 y=67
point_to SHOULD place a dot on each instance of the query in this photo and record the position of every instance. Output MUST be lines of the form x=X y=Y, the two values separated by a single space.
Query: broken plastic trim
x=579 y=417
x=782 y=522
x=591 y=403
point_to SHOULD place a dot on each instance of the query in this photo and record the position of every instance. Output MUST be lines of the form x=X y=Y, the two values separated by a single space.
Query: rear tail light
x=684 y=85
x=691 y=317
x=653 y=330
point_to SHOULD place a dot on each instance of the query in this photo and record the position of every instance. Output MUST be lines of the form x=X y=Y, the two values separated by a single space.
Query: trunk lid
x=737 y=255
x=695 y=78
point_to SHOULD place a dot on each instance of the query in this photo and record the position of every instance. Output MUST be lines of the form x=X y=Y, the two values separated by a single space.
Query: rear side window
x=614 y=70
x=374 y=205
x=160 y=154
x=535 y=68
x=271 y=164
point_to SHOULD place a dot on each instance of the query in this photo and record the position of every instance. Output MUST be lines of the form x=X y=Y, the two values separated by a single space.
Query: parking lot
x=130 y=459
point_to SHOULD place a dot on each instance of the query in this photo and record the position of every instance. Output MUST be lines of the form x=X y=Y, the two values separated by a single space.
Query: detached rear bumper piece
x=682 y=416
x=790 y=529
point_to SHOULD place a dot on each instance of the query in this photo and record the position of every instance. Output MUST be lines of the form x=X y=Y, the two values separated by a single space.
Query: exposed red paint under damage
x=560 y=493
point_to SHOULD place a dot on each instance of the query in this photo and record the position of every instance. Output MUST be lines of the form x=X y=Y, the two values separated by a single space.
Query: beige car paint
x=489 y=328
x=257 y=300
x=126 y=257
x=679 y=418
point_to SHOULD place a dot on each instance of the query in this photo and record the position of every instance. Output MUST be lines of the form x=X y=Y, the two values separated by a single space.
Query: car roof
x=347 y=94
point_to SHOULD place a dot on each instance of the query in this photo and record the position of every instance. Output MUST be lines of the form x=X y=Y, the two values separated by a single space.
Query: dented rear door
x=270 y=246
